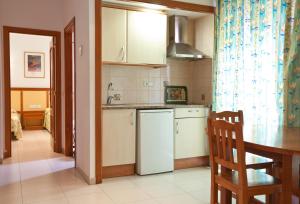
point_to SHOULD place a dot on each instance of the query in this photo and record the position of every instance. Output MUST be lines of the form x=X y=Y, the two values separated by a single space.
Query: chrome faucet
x=109 y=98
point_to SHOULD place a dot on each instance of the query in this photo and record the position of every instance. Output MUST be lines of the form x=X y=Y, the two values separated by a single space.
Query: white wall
x=54 y=15
x=37 y=14
x=19 y=44
x=83 y=11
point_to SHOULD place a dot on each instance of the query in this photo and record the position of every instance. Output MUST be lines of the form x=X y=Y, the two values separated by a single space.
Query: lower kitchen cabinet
x=119 y=137
x=190 y=138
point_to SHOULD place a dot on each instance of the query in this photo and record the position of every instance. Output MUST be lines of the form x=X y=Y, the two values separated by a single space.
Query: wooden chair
x=224 y=137
x=252 y=161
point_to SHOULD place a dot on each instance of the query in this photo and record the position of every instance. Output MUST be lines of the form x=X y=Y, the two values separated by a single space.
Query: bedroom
x=30 y=70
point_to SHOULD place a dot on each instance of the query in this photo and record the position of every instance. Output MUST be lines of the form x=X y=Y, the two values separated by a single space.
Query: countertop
x=150 y=106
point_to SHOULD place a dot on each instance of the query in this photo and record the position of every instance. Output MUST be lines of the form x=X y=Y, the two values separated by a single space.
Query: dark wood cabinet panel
x=33 y=120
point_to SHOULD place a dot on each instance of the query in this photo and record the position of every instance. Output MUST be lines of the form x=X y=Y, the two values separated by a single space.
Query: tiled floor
x=36 y=175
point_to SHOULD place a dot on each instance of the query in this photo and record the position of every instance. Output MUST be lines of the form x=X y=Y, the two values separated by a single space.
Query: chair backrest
x=229 y=116
x=224 y=137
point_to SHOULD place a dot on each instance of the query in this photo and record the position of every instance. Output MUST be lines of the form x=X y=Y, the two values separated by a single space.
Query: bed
x=16 y=127
x=47 y=119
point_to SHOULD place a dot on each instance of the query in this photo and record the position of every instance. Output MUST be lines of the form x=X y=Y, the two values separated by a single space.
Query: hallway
x=35 y=172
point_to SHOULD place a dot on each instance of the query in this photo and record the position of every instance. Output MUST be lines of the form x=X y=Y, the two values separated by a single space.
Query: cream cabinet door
x=119 y=137
x=147 y=34
x=190 y=138
x=114 y=30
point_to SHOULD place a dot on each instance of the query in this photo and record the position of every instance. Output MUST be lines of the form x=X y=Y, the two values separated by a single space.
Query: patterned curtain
x=292 y=63
x=248 y=66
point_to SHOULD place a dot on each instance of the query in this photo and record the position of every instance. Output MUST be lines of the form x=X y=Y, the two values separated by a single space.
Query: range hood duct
x=178 y=40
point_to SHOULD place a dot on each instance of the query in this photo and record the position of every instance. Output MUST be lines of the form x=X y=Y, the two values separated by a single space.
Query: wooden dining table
x=282 y=144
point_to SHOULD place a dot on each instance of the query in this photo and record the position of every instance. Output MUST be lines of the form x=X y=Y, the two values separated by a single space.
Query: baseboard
x=89 y=180
x=118 y=171
x=191 y=162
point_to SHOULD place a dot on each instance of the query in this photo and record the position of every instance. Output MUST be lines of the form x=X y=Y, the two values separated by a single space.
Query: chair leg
x=243 y=198
x=214 y=194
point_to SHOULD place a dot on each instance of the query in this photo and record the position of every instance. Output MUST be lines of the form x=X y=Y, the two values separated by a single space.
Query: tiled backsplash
x=146 y=85
x=134 y=84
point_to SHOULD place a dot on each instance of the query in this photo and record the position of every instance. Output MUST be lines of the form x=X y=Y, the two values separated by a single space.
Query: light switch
x=80 y=49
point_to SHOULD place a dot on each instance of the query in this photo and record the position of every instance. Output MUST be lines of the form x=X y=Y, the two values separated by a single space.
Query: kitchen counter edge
x=151 y=106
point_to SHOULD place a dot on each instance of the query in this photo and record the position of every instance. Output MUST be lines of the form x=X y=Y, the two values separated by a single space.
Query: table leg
x=286 y=179
x=226 y=195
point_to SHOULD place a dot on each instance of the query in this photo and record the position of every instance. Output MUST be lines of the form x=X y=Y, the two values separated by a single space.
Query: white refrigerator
x=155 y=141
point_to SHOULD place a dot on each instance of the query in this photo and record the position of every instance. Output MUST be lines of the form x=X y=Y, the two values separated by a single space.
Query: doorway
x=70 y=89
x=32 y=114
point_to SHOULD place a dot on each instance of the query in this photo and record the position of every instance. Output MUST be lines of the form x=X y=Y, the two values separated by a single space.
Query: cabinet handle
x=177 y=128
x=131 y=119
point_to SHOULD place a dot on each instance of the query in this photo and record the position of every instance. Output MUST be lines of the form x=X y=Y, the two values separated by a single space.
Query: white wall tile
x=129 y=81
x=142 y=96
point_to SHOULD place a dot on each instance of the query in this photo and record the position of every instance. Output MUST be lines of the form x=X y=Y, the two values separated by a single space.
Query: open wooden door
x=70 y=90
x=55 y=113
x=55 y=93
x=52 y=94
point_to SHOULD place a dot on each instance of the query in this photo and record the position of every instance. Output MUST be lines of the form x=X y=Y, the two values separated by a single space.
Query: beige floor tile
x=36 y=185
x=36 y=175
x=193 y=185
x=42 y=195
x=80 y=190
x=11 y=189
x=201 y=195
x=148 y=180
x=10 y=199
x=9 y=173
x=178 y=199
x=161 y=190
x=127 y=195
x=117 y=184
x=34 y=169
x=61 y=200
x=145 y=202
x=94 y=198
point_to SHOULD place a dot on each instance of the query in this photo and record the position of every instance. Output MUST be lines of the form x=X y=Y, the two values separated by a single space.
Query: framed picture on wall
x=34 y=65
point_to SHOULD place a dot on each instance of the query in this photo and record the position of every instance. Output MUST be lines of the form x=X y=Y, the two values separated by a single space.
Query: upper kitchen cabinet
x=146 y=37
x=204 y=34
x=114 y=34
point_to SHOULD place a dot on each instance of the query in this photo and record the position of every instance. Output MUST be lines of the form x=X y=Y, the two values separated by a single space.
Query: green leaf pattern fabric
x=248 y=65
x=292 y=62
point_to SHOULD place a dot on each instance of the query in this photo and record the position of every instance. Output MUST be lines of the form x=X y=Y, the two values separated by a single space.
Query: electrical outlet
x=150 y=84
x=166 y=83
x=145 y=83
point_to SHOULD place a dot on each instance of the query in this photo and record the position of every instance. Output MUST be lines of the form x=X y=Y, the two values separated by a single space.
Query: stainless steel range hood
x=178 y=46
